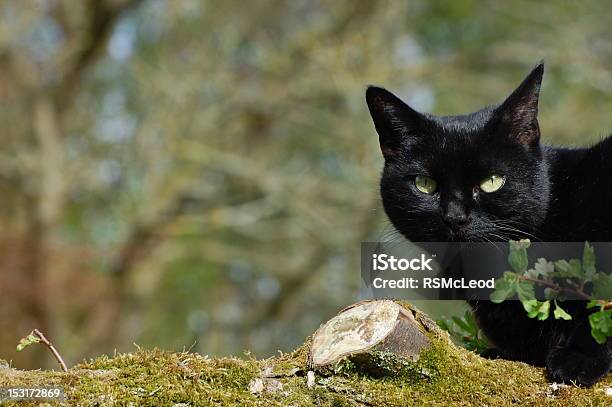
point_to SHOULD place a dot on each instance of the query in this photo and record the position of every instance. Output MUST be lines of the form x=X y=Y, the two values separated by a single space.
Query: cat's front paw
x=569 y=366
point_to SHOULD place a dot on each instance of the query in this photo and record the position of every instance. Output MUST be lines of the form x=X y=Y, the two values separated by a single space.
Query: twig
x=577 y=290
x=605 y=304
x=557 y=287
x=49 y=345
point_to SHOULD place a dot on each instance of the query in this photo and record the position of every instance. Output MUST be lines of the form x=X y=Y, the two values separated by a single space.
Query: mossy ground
x=444 y=376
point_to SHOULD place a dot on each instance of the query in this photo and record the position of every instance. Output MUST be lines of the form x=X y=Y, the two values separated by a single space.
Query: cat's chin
x=460 y=236
x=468 y=238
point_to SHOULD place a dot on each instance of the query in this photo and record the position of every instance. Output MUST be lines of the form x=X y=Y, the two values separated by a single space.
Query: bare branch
x=102 y=19
x=54 y=351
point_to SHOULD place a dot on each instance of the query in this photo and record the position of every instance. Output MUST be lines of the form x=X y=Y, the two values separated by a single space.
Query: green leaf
x=593 y=304
x=599 y=336
x=543 y=268
x=562 y=267
x=576 y=269
x=442 y=323
x=469 y=318
x=504 y=289
x=525 y=290
x=602 y=286
x=588 y=262
x=462 y=324
x=465 y=332
x=518 y=259
x=560 y=313
x=601 y=325
x=550 y=294
x=532 y=274
x=531 y=306
x=27 y=341
x=537 y=309
x=544 y=310
x=520 y=244
x=569 y=269
x=511 y=277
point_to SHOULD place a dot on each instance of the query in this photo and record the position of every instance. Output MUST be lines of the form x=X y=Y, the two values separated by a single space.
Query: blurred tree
x=180 y=171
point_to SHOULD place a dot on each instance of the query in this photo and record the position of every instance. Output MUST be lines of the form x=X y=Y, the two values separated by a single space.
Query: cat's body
x=581 y=182
x=485 y=177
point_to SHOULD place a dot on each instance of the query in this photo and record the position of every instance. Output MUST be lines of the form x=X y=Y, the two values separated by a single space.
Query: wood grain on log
x=367 y=328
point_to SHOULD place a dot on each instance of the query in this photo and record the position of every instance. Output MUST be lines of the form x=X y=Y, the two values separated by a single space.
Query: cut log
x=379 y=335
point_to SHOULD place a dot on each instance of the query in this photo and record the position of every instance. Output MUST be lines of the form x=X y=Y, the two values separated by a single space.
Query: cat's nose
x=455 y=215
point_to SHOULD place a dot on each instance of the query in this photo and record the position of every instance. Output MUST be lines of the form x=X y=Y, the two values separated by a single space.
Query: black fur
x=550 y=194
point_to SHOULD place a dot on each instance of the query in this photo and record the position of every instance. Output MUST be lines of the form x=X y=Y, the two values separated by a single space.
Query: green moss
x=445 y=375
x=287 y=364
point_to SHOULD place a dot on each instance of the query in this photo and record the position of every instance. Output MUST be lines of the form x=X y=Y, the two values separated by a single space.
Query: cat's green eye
x=493 y=183
x=425 y=184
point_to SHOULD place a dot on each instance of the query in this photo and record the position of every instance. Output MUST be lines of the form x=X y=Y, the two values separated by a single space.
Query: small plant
x=37 y=337
x=578 y=278
x=465 y=332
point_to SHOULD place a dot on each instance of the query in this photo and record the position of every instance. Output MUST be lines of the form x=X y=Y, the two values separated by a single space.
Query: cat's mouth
x=459 y=234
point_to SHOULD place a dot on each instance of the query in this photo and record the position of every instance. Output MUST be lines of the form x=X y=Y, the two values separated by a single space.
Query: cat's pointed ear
x=394 y=120
x=519 y=112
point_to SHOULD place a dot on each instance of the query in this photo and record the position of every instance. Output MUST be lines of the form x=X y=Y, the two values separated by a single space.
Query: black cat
x=485 y=176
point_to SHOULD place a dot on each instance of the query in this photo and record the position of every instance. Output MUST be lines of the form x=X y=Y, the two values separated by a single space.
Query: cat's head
x=475 y=177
